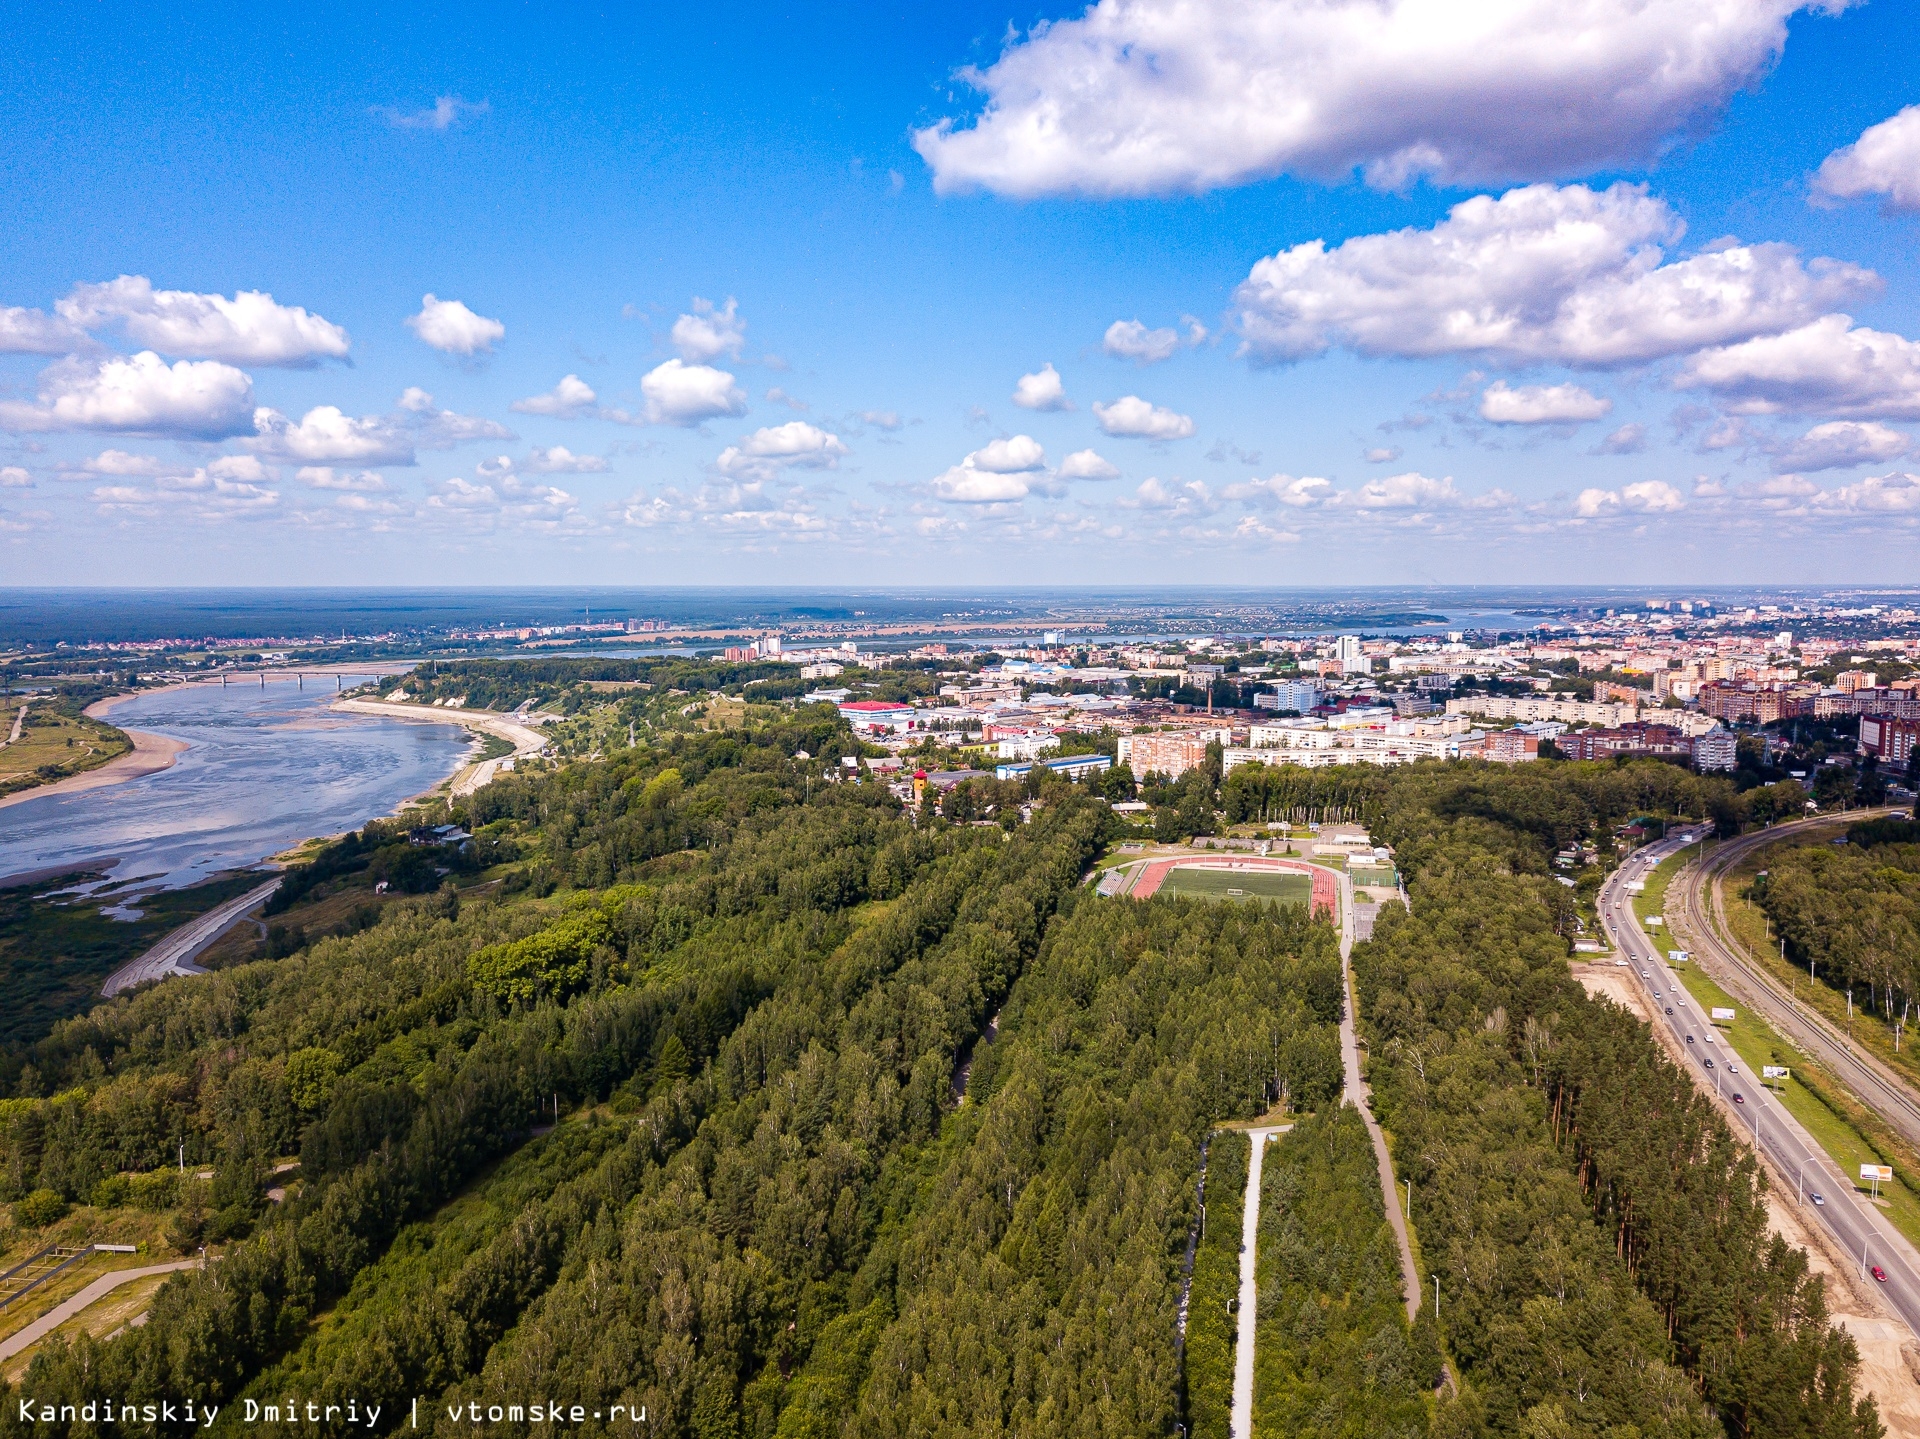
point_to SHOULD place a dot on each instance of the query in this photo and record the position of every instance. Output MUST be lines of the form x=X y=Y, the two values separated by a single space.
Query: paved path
x=1242 y=1421
x=1359 y=1096
x=174 y=954
x=19 y=722
x=99 y=1289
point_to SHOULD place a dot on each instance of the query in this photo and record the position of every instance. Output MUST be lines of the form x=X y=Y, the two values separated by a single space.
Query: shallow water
x=267 y=768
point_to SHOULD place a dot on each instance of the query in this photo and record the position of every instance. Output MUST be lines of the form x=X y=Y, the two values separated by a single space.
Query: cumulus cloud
x=1086 y=465
x=559 y=460
x=1415 y=491
x=447 y=111
x=997 y=472
x=12 y=477
x=1567 y=404
x=216 y=492
x=1841 y=444
x=1646 y=497
x=1629 y=439
x=1131 y=417
x=1878 y=495
x=35 y=332
x=1828 y=367
x=1131 y=340
x=883 y=419
x=1562 y=274
x=1140 y=97
x=1042 y=390
x=1295 y=492
x=1022 y=454
x=1382 y=454
x=326 y=434
x=138 y=395
x=325 y=477
x=766 y=451
x=251 y=328
x=571 y=398
x=1177 y=499
x=681 y=394
x=1885 y=160
x=709 y=332
x=451 y=328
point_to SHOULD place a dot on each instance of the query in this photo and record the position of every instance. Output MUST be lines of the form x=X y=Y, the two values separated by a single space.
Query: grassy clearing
x=55 y=743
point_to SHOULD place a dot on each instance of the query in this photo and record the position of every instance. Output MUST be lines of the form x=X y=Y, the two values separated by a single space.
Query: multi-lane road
x=174 y=954
x=1858 y=1229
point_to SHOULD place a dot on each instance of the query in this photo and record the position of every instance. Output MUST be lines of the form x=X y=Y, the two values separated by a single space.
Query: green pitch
x=1271 y=886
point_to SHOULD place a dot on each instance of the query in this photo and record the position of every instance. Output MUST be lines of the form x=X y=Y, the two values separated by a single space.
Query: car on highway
x=1670 y=1011
x=1689 y=1037
x=1878 y=1273
x=1739 y=1098
x=1732 y=1068
x=1819 y=1199
x=1709 y=1062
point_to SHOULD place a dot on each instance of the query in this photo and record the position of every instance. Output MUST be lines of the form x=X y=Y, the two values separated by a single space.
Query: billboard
x=1678 y=956
x=1720 y=1015
x=1881 y=1172
x=1775 y=1071
x=1653 y=921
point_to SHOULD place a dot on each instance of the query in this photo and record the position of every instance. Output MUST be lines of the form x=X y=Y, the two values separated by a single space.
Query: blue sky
x=1524 y=350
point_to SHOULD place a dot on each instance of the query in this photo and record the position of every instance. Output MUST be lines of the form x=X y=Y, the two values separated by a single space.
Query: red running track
x=1325 y=892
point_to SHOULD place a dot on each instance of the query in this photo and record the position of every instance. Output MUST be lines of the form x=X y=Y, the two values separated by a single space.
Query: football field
x=1268 y=886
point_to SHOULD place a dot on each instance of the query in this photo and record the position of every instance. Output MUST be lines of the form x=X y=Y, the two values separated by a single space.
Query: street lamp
x=1799 y=1177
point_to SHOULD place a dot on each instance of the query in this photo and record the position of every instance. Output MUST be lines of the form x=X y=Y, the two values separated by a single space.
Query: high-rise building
x=1346 y=650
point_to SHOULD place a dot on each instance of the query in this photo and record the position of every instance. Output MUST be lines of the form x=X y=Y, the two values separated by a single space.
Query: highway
x=174 y=954
x=1700 y=910
x=1859 y=1229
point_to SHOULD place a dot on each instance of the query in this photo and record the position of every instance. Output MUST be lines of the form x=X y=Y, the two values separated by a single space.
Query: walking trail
x=1356 y=1093
x=99 y=1289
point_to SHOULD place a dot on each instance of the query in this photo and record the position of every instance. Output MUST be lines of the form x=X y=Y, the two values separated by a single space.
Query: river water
x=266 y=769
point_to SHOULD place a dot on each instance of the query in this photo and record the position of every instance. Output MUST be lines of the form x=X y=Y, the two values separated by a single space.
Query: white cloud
x=1415 y=491
x=1177 y=499
x=1562 y=274
x=450 y=327
x=1147 y=96
x=35 y=332
x=1131 y=340
x=1885 y=160
x=504 y=502
x=1021 y=454
x=1382 y=454
x=119 y=462
x=1541 y=404
x=1629 y=439
x=683 y=394
x=138 y=395
x=883 y=419
x=446 y=112
x=12 y=477
x=559 y=460
x=326 y=434
x=249 y=329
x=1086 y=465
x=709 y=332
x=1879 y=495
x=1840 y=444
x=763 y=453
x=1042 y=390
x=210 y=494
x=1131 y=417
x=1828 y=367
x=1646 y=497
x=568 y=400
x=325 y=477
x=964 y=485
x=1289 y=490
x=443 y=429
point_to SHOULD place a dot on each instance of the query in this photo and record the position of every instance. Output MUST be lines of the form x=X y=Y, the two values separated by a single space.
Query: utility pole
x=1409 y=1199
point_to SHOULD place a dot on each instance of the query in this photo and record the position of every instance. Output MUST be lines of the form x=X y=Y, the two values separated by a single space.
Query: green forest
x=707 y=1083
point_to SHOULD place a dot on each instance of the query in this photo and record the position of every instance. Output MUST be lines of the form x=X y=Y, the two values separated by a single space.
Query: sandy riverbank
x=525 y=740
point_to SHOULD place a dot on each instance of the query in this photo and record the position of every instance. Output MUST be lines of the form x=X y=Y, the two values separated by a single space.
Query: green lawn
x=1272 y=886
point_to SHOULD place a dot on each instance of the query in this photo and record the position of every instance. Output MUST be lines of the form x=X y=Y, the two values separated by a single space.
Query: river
x=265 y=769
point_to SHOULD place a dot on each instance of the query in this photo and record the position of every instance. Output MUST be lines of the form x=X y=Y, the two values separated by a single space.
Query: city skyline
x=1625 y=296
